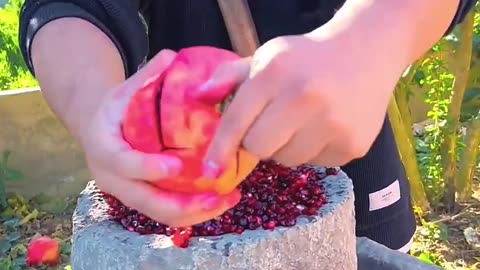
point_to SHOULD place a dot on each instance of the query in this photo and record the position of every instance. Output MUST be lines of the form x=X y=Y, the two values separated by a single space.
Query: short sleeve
x=120 y=20
x=464 y=7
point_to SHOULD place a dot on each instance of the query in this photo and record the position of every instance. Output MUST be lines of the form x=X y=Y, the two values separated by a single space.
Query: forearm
x=76 y=64
x=402 y=30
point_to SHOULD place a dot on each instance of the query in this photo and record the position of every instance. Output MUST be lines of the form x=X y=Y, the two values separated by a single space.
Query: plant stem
x=408 y=156
x=402 y=97
x=468 y=160
x=448 y=147
x=3 y=194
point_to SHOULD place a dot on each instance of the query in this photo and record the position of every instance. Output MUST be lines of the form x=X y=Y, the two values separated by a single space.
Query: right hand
x=125 y=173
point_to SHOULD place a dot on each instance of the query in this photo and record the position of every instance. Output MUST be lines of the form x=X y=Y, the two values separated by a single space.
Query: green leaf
x=5 y=263
x=14 y=236
x=442 y=232
x=20 y=261
x=19 y=249
x=7 y=173
x=426 y=258
x=3 y=195
x=11 y=223
x=6 y=156
x=28 y=218
x=13 y=175
x=7 y=213
x=65 y=248
x=5 y=246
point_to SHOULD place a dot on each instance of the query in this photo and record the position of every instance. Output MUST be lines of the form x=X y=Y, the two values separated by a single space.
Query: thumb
x=154 y=68
x=105 y=142
x=223 y=83
x=150 y=72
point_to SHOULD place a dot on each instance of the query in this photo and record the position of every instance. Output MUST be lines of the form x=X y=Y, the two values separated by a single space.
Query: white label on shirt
x=407 y=247
x=385 y=197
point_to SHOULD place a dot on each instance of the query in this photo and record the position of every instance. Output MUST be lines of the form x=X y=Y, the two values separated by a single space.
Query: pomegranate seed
x=272 y=196
x=309 y=211
x=331 y=171
x=269 y=225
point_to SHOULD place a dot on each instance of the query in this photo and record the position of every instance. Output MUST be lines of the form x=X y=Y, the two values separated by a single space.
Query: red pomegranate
x=163 y=117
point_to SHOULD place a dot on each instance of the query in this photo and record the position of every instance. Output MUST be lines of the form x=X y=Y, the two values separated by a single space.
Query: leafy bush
x=13 y=71
x=445 y=157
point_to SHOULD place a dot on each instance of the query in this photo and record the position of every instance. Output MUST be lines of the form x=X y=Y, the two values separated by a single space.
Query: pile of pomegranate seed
x=272 y=196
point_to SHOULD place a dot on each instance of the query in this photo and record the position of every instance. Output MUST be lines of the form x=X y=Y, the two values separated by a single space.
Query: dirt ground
x=22 y=221
x=441 y=238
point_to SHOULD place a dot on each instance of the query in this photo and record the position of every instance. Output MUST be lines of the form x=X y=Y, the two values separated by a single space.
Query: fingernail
x=172 y=166
x=210 y=202
x=211 y=170
x=207 y=85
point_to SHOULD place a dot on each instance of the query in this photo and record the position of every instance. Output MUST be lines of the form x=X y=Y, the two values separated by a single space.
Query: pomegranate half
x=162 y=117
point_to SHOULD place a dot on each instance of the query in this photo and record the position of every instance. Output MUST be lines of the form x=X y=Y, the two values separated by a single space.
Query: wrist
x=76 y=65
x=396 y=31
x=376 y=28
x=83 y=104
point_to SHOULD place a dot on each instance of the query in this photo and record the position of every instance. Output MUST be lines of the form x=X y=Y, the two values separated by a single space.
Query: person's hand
x=124 y=173
x=302 y=100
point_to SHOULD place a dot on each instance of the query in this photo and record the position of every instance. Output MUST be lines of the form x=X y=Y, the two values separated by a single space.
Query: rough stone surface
x=374 y=256
x=326 y=241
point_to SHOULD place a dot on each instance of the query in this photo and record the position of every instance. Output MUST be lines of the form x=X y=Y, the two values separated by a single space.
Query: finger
x=151 y=71
x=173 y=209
x=145 y=166
x=300 y=149
x=223 y=82
x=277 y=124
x=202 y=216
x=113 y=153
x=330 y=156
x=208 y=210
x=248 y=103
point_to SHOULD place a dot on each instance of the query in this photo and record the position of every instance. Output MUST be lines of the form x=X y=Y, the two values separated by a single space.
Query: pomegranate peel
x=43 y=251
x=165 y=117
x=213 y=92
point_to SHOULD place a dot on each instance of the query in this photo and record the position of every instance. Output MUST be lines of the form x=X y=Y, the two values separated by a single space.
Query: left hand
x=302 y=100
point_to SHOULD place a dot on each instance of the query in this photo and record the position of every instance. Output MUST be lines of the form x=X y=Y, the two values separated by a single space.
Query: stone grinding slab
x=374 y=256
x=325 y=241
